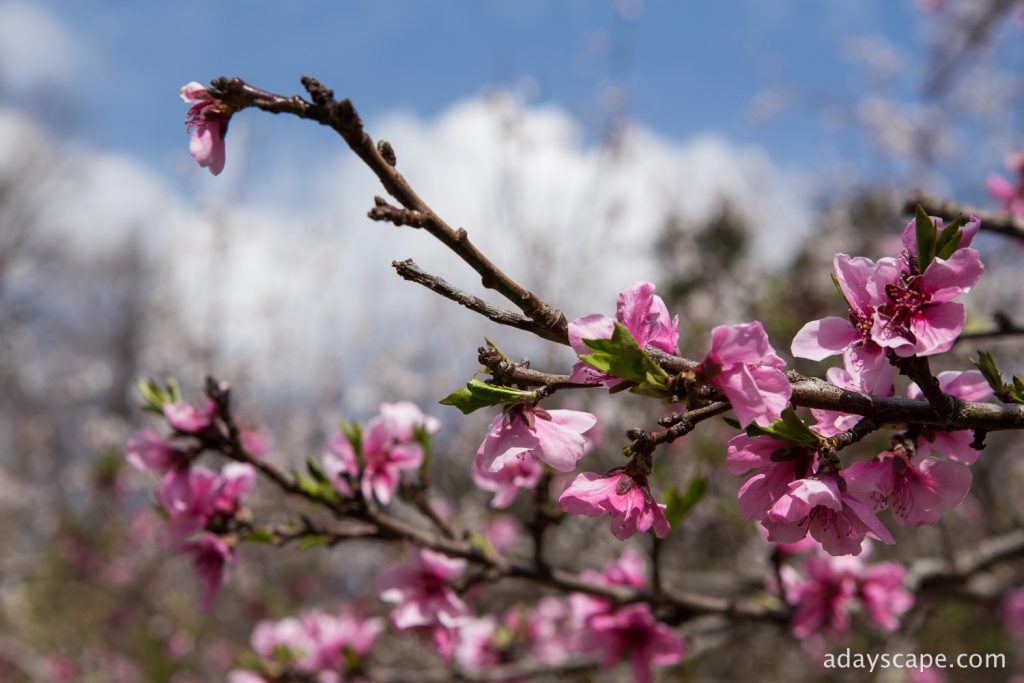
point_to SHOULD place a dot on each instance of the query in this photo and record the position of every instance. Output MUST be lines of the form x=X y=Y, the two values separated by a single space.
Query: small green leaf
x=480 y=542
x=986 y=364
x=1017 y=390
x=476 y=395
x=949 y=239
x=678 y=503
x=925 y=239
x=316 y=471
x=314 y=541
x=260 y=535
x=492 y=345
x=789 y=428
x=621 y=356
x=353 y=433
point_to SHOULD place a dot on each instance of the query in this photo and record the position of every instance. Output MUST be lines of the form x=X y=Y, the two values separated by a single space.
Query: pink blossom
x=317 y=643
x=627 y=498
x=188 y=419
x=745 y=367
x=384 y=460
x=476 y=645
x=917 y=491
x=207 y=121
x=968 y=386
x=642 y=312
x=884 y=594
x=256 y=442
x=633 y=632
x=554 y=437
x=210 y=553
x=918 y=316
x=834 y=518
x=518 y=474
x=422 y=591
x=552 y=634
x=862 y=283
x=777 y=463
x=627 y=571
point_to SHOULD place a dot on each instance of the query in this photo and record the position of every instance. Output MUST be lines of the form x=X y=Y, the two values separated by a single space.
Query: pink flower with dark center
x=506 y=483
x=188 y=419
x=777 y=464
x=745 y=367
x=917 y=492
x=627 y=498
x=207 y=122
x=862 y=283
x=633 y=632
x=422 y=590
x=919 y=317
x=642 y=312
x=554 y=437
x=836 y=519
x=210 y=554
x=884 y=594
x=956 y=445
x=1009 y=193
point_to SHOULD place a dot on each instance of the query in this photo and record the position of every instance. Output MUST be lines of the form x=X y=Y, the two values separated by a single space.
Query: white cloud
x=38 y=49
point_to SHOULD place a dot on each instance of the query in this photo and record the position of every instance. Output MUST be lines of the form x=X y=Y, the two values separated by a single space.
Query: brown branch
x=342 y=117
x=991 y=221
x=935 y=574
x=408 y=270
x=919 y=371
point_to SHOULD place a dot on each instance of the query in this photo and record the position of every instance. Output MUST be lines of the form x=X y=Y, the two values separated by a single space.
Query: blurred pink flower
x=188 y=419
x=422 y=591
x=521 y=473
x=633 y=632
x=210 y=554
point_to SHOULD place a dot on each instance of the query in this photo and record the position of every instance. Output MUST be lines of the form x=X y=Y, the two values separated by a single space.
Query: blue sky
x=688 y=66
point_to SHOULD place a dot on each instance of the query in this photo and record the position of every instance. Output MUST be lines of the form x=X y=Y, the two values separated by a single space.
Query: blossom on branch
x=956 y=444
x=422 y=590
x=626 y=497
x=642 y=312
x=744 y=366
x=554 y=437
x=207 y=122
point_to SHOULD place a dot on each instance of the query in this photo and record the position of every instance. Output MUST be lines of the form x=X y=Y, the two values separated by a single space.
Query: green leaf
x=477 y=395
x=949 y=239
x=260 y=535
x=314 y=541
x=622 y=357
x=789 y=428
x=678 y=503
x=1017 y=390
x=353 y=433
x=316 y=471
x=986 y=364
x=492 y=345
x=317 y=490
x=925 y=239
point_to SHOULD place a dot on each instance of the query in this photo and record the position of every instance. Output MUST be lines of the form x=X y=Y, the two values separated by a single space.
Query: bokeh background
x=724 y=151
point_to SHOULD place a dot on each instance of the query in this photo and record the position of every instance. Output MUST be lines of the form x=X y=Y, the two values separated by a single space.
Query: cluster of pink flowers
x=198 y=502
x=1010 y=193
x=831 y=589
x=207 y=122
x=391 y=443
x=892 y=306
x=328 y=648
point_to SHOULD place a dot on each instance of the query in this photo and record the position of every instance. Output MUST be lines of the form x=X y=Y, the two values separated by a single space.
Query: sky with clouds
x=497 y=111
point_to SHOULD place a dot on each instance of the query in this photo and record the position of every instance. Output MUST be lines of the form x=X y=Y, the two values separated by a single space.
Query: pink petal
x=947 y=279
x=820 y=339
x=937 y=327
